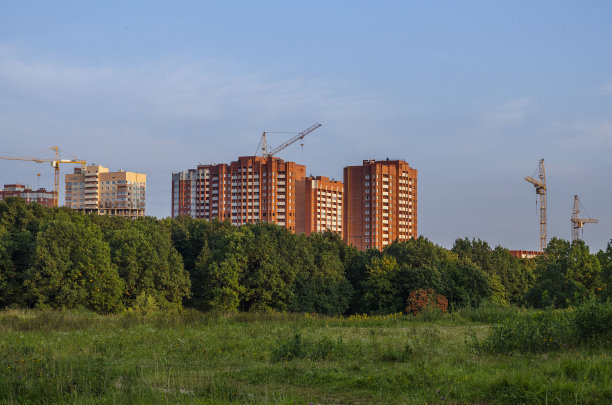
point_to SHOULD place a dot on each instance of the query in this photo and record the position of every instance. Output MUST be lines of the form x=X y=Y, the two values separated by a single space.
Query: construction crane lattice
x=540 y=186
x=577 y=222
x=55 y=163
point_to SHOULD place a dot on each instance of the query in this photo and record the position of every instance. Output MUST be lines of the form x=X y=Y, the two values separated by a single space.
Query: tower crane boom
x=301 y=135
x=54 y=163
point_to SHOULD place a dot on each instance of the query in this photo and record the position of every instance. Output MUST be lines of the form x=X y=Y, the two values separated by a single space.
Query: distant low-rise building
x=40 y=196
x=525 y=254
x=96 y=190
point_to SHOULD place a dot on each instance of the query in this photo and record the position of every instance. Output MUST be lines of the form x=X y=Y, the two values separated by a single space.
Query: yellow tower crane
x=577 y=222
x=54 y=163
x=540 y=186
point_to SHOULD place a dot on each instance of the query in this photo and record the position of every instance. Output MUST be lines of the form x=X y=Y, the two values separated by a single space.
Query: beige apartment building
x=96 y=190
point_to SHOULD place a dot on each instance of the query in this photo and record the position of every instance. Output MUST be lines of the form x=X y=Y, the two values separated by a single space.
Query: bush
x=431 y=314
x=419 y=300
x=543 y=331
x=592 y=322
x=539 y=332
x=487 y=312
x=401 y=354
x=297 y=347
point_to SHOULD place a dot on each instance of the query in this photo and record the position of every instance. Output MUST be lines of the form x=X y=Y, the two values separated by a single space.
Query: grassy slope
x=86 y=358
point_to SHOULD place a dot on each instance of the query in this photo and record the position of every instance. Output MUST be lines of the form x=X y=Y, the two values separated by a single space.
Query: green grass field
x=70 y=357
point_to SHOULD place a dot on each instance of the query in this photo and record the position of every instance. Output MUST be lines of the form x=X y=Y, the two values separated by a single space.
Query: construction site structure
x=540 y=186
x=55 y=164
x=96 y=190
x=577 y=222
x=525 y=254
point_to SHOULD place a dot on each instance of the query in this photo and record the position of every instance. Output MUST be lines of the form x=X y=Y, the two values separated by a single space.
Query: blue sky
x=472 y=94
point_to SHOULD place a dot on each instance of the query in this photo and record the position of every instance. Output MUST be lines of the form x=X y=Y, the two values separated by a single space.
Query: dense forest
x=58 y=258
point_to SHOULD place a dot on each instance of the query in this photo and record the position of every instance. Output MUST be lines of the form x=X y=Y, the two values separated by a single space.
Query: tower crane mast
x=264 y=145
x=54 y=163
x=540 y=186
x=577 y=222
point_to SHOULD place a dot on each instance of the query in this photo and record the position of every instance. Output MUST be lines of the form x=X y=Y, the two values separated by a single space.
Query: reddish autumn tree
x=423 y=298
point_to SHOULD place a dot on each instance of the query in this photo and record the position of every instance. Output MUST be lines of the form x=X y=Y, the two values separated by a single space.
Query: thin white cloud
x=589 y=134
x=171 y=115
x=510 y=113
x=172 y=91
x=606 y=88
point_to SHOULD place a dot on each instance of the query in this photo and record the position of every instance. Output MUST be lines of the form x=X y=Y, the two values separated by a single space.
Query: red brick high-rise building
x=380 y=203
x=248 y=190
x=322 y=205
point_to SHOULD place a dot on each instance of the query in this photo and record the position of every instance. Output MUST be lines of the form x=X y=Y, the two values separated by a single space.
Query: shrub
x=592 y=322
x=401 y=354
x=298 y=347
x=543 y=331
x=487 y=312
x=421 y=299
x=533 y=332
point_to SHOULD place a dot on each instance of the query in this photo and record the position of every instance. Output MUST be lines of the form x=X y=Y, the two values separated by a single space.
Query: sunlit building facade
x=322 y=205
x=248 y=190
x=96 y=190
x=380 y=203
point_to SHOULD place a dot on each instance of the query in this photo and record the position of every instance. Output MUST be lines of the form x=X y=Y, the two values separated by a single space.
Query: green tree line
x=62 y=259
